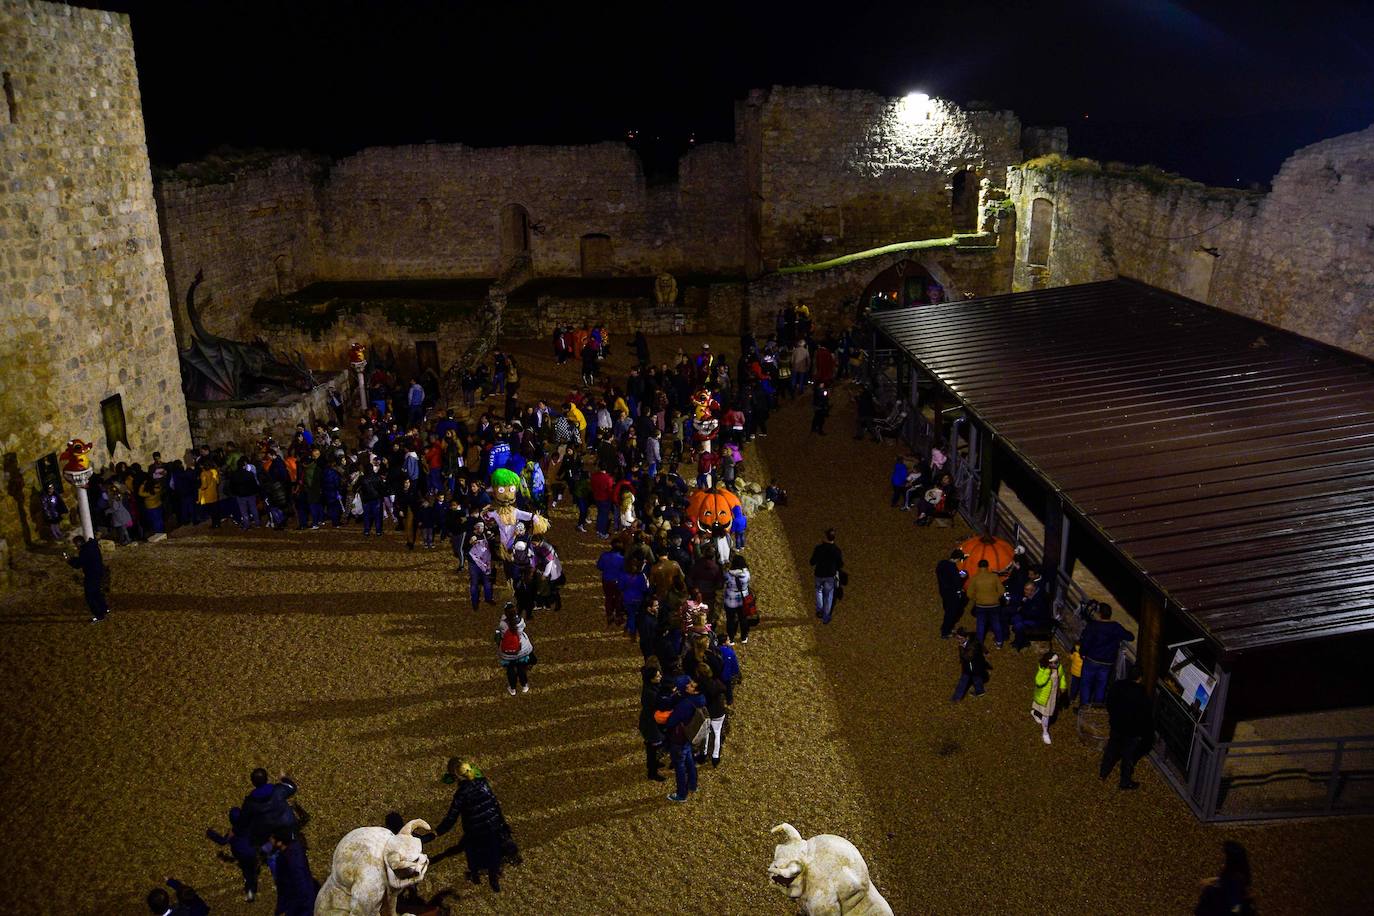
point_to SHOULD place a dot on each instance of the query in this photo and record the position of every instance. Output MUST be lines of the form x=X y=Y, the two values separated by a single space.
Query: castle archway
x=907 y=282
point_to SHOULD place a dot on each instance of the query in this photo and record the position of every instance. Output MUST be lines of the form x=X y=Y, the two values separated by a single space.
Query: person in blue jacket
x=688 y=701
x=634 y=588
x=243 y=851
x=900 y=472
x=738 y=525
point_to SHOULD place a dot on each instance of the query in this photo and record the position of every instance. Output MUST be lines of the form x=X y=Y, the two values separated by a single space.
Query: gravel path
x=359 y=667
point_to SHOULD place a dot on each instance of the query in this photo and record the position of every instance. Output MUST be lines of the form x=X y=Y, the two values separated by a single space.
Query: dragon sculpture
x=216 y=369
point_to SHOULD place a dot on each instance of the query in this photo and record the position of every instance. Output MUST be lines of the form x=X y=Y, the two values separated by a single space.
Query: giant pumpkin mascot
x=505 y=484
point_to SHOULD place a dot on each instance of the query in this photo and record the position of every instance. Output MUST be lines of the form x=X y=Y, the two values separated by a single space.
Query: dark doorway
x=964 y=201
x=904 y=283
x=515 y=228
x=427 y=356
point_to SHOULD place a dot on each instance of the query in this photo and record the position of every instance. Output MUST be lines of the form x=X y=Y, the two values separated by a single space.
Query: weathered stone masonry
x=85 y=304
x=813 y=172
x=1300 y=257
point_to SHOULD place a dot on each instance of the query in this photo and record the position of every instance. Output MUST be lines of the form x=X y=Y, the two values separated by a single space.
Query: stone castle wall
x=84 y=302
x=812 y=173
x=1300 y=257
x=442 y=210
x=840 y=171
x=252 y=233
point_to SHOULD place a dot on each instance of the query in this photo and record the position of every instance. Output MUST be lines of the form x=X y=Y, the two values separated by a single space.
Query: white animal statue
x=371 y=867
x=825 y=875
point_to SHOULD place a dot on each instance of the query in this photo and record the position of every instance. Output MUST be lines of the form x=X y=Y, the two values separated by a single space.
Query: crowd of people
x=488 y=482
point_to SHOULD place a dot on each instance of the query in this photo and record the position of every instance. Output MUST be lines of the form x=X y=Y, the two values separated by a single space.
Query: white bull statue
x=371 y=867
x=825 y=875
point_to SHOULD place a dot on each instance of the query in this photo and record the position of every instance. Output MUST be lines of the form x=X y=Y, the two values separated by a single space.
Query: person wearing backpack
x=514 y=649
x=689 y=712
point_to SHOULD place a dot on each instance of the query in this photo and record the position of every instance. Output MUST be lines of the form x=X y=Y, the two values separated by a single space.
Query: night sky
x=1219 y=91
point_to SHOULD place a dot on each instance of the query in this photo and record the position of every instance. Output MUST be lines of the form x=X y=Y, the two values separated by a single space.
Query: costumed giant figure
x=505 y=484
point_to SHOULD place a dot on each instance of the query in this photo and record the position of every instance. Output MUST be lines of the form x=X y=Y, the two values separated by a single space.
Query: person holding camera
x=1050 y=681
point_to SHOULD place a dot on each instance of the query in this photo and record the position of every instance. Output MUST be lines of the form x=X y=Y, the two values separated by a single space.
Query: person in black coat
x=188 y=901
x=820 y=407
x=266 y=808
x=296 y=886
x=973 y=666
x=1132 y=727
x=650 y=697
x=1032 y=612
x=949 y=578
x=486 y=835
x=92 y=566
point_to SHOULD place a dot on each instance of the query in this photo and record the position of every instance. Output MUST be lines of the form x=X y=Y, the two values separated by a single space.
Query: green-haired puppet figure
x=505 y=484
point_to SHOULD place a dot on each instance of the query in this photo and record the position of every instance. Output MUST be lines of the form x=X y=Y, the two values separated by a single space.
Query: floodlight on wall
x=915 y=106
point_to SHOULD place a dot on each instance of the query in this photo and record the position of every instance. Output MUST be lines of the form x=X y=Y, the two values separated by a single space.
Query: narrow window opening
x=11 y=110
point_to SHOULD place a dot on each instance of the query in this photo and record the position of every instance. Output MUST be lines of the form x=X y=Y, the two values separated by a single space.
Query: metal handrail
x=1288 y=742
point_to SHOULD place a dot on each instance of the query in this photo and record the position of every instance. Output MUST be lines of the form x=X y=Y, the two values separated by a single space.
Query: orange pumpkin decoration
x=711 y=507
x=996 y=551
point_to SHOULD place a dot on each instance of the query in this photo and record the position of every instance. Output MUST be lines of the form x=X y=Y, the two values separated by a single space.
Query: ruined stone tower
x=83 y=295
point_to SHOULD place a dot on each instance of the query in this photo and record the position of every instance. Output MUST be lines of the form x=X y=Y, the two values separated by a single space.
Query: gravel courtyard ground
x=359 y=667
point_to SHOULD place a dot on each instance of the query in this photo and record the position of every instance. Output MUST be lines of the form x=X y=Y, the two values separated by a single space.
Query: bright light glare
x=915 y=106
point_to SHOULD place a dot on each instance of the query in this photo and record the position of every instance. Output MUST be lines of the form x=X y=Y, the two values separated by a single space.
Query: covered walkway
x=1225 y=464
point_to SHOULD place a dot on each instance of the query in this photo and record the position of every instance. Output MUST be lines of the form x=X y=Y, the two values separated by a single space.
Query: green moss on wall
x=415 y=315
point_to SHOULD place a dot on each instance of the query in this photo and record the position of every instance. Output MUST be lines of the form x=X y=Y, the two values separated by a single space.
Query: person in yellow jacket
x=577 y=417
x=1050 y=681
x=1075 y=671
x=207 y=498
x=985 y=589
x=150 y=492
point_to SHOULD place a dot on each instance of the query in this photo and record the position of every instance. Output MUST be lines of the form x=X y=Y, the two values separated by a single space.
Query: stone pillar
x=359 y=368
x=79 y=479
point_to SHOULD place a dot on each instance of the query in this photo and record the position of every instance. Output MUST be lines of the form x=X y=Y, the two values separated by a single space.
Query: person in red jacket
x=603 y=491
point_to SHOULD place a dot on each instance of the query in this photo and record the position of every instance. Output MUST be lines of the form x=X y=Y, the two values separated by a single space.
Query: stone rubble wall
x=254 y=235
x=843 y=171
x=215 y=425
x=83 y=294
x=1310 y=264
x=327 y=350
x=1300 y=257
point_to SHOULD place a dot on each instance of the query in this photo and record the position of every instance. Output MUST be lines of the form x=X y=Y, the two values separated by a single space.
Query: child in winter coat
x=1075 y=671
x=1050 y=681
